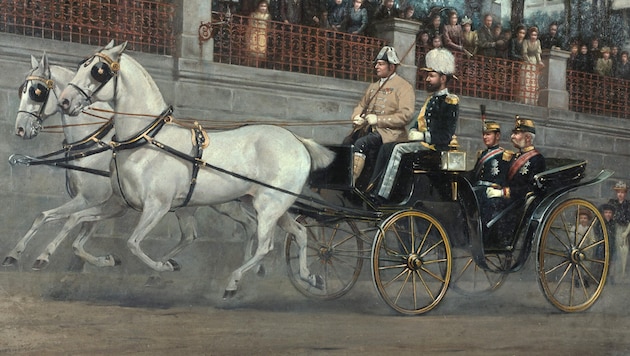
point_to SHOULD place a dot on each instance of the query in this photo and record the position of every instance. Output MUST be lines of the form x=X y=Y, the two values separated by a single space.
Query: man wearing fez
x=433 y=128
x=387 y=107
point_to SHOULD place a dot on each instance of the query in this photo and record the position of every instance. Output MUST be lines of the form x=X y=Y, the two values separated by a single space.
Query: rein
x=72 y=151
x=200 y=141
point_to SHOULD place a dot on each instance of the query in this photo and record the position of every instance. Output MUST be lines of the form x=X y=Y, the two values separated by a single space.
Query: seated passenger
x=491 y=169
x=432 y=130
x=526 y=164
x=386 y=107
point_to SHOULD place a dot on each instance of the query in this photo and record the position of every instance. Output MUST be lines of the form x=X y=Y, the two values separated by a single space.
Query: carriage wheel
x=411 y=262
x=472 y=280
x=334 y=252
x=572 y=269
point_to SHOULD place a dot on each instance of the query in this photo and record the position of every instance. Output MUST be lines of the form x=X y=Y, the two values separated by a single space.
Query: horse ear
x=45 y=65
x=34 y=62
x=109 y=45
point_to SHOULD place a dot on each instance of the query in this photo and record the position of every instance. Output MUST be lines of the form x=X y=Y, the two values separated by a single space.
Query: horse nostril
x=65 y=104
x=20 y=132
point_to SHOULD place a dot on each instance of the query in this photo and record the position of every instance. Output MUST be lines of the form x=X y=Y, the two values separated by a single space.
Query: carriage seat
x=561 y=172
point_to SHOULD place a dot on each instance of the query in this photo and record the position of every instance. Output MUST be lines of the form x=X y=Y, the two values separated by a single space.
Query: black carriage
x=430 y=236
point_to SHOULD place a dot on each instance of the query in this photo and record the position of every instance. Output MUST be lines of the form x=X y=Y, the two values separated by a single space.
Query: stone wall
x=208 y=91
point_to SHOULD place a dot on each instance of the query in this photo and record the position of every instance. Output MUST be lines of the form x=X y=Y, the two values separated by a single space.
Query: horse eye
x=38 y=93
x=101 y=72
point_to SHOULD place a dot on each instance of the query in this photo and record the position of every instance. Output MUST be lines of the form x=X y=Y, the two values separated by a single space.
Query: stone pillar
x=553 y=80
x=401 y=34
x=190 y=14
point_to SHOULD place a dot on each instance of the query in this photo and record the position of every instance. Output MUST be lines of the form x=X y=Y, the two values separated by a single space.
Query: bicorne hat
x=387 y=54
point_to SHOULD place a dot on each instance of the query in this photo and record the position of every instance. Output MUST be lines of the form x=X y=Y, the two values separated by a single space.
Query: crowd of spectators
x=606 y=61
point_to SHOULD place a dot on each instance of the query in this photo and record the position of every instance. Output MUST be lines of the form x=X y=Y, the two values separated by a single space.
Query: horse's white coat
x=90 y=190
x=154 y=181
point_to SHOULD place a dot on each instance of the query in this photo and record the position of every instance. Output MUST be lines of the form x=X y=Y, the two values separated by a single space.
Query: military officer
x=387 y=107
x=491 y=169
x=527 y=162
x=433 y=129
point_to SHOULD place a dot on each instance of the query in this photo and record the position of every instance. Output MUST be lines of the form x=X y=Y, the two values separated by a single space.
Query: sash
x=483 y=159
x=520 y=161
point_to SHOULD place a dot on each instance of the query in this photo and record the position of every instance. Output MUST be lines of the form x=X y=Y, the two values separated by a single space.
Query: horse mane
x=153 y=88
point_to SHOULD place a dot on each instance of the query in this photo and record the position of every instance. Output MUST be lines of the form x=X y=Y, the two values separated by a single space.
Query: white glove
x=494 y=192
x=371 y=119
x=358 y=121
x=415 y=135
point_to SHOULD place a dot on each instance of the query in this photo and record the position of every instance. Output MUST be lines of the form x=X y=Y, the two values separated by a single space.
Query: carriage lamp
x=454 y=160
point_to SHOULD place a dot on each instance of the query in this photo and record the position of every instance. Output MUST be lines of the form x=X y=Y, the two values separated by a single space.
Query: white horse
x=38 y=101
x=267 y=163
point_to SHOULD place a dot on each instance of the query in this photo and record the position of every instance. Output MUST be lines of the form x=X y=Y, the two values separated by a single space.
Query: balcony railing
x=147 y=26
x=595 y=94
x=275 y=45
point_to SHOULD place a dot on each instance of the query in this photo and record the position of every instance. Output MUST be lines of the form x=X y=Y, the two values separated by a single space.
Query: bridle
x=102 y=72
x=38 y=92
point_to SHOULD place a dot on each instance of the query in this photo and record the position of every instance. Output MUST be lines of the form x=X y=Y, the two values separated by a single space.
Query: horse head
x=94 y=81
x=36 y=101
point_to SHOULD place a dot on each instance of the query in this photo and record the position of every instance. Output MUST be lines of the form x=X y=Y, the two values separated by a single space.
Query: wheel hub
x=414 y=262
x=325 y=254
x=577 y=255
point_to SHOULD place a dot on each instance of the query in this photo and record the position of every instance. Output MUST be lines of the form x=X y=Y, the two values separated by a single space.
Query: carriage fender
x=550 y=202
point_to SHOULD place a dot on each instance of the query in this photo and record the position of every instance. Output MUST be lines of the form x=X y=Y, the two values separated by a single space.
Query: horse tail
x=321 y=156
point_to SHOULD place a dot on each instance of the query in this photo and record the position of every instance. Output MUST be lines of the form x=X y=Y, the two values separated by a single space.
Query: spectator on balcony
x=487 y=39
x=595 y=51
x=434 y=28
x=469 y=37
x=584 y=61
x=515 y=46
x=503 y=43
x=408 y=13
x=573 y=53
x=551 y=39
x=292 y=11
x=337 y=16
x=529 y=72
x=385 y=109
x=615 y=56
x=436 y=42
x=357 y=18
x=622 y=70
x=453 y=34
x=387 y=11
x=257 y=33
x=604 y=65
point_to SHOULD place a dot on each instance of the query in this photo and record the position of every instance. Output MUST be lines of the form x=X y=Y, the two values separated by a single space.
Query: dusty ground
x=93 y=314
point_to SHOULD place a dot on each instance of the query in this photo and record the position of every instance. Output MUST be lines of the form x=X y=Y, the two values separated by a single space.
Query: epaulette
x=507 y=155
x=479 y=152
x=452 y=99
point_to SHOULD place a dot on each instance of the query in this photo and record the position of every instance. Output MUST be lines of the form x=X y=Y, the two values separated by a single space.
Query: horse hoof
x=261 y=271
x=319 y=282
x=117 y=260
x=9 y=261
x=228 y=294
x=176 y=267
x=39 y=265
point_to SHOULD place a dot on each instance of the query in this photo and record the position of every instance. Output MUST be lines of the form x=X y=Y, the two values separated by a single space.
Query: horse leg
x=236 y=212
x=58 y=213
x=290 y=225
x=188 y=227
x=152 y=213
x=267 y=218
x=109 y=209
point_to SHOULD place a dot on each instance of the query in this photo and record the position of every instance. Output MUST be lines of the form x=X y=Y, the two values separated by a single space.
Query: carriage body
x=434 y=208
